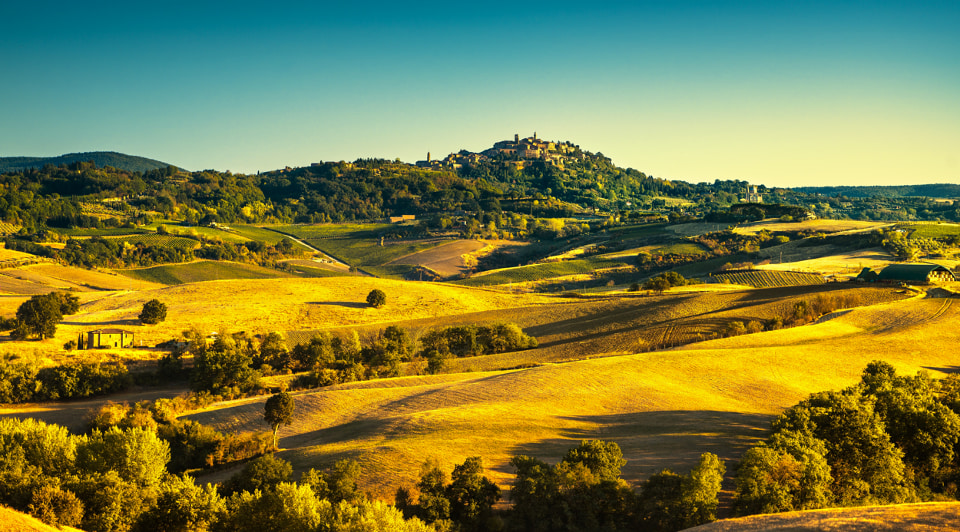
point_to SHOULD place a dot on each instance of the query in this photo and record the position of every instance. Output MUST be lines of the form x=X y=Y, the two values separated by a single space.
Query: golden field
x=593 y=375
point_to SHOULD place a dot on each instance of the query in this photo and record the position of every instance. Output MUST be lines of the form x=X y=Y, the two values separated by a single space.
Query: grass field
x=932 y=230
x=663 y=408
x=928 y=516
x=14 y=521
x=204 y=270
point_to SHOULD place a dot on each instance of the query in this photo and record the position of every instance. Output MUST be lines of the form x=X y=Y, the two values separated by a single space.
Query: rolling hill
x=120 y=161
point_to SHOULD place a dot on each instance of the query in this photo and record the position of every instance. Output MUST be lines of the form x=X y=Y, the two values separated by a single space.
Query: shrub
x=153 y=312
x=376 y=298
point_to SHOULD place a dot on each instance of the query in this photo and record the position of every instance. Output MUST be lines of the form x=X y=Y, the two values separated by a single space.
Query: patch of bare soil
x=447 y=260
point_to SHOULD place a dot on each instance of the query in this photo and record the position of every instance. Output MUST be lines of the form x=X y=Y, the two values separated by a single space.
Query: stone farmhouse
x=105 y=338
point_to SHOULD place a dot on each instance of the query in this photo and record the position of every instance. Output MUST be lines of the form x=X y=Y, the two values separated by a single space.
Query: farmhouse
x=911 y=273
x=105 y=338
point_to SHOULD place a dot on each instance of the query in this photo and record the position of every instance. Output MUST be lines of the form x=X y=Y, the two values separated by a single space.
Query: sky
x=775 y=93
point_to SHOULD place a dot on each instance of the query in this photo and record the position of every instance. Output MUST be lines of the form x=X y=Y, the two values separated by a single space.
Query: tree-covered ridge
x=939 y=190
x=130 y=163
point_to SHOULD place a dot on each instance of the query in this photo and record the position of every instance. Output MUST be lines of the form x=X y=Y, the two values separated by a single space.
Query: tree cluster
x=889 y=439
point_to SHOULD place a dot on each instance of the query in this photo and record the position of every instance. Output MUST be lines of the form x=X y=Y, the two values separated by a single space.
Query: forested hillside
x=102 y=159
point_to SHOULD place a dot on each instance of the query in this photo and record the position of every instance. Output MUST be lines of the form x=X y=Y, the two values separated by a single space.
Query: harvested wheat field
x=651 y=404
x=448 y=259
x=819 y=225
x=927 y=516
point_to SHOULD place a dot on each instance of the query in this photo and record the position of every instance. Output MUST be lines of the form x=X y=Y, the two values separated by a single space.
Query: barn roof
x=910 y=272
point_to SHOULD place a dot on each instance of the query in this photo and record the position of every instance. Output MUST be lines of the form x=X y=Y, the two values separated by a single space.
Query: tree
x=39 y=315
x=376 y=298
x=471 y=495
x=153 y=312
x=278 y=410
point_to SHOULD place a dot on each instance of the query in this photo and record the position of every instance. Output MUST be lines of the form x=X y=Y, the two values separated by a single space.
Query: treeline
x=121 y=478
x=23 y=382
x=583 y=491
x=118 y=480
x=99 y=252
x=889 y=439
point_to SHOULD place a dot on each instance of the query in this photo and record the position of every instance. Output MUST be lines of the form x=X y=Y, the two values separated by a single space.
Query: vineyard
x=767 y=278
x=155 y=240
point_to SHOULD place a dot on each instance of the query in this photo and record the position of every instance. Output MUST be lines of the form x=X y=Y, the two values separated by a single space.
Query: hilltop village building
x=518 y=153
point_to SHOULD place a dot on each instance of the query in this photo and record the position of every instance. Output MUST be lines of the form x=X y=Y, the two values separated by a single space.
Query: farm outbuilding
x=915 y=273
x=105 y=338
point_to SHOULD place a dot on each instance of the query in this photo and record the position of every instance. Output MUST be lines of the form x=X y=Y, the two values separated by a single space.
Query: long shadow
x=653 y=441
x=132 y=321
x=947 y=369
x=347 y=304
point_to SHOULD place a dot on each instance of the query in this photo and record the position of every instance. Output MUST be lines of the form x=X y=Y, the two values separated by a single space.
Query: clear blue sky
x=778 y=93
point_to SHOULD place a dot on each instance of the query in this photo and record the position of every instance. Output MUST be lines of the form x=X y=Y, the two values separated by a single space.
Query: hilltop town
x=517 y=153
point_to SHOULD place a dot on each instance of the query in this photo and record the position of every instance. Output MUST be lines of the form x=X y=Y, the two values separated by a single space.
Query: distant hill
x=939 y=190
x=119 y=161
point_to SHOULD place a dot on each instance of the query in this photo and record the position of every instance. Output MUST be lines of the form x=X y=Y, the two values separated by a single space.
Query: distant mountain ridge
x=936 y=190
x=120 y=161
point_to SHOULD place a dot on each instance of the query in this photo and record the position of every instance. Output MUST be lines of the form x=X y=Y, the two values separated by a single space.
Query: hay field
x=927 y=517
x=446 y=259
x=820 y=225
x=663 y=408
x=840 y=263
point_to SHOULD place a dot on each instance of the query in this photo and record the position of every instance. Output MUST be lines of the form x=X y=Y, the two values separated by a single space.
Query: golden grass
x=928 y=516
x=821 y=225
x=260 y=306
x=14 y=521
x=663 y=408
x=446 y=259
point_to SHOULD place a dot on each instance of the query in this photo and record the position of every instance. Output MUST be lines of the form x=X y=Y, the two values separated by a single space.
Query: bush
x=153 y=312
x=376 y=298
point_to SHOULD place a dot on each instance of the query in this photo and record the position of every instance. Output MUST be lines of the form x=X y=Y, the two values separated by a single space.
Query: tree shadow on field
x=652 y=441
x=130 y=321
x=347 y=304
x=947 y=369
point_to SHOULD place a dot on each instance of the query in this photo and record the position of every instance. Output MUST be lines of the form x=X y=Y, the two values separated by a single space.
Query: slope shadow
x=652 y=441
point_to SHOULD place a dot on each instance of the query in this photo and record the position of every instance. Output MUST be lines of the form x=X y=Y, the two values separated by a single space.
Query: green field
x=356 y=244
x=682 y=248
x=768 y=279
x=931 y=230
x=536 y=272
x=193 y=272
